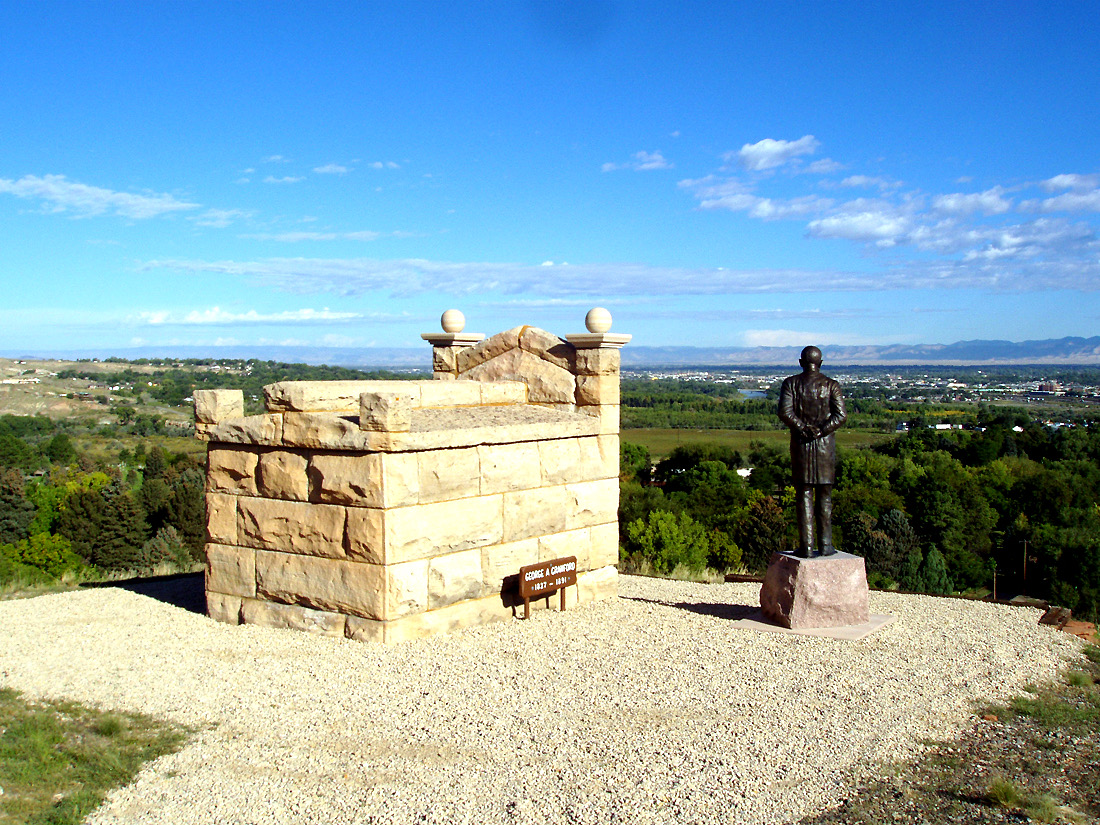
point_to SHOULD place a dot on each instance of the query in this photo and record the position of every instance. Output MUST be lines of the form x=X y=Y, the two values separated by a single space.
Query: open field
x=662 y=442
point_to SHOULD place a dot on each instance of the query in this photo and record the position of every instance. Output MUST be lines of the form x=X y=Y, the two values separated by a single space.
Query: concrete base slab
x=851 y=633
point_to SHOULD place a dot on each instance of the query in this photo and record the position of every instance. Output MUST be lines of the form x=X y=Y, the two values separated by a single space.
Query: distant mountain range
x=1083 y=351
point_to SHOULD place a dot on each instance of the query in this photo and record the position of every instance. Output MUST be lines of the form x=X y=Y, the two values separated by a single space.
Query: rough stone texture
x=598 y=361
x=454 y=578
x=292 y=616
x=592 y=502
x=447 y=619
x=346 y=478
x=255 y=429
x=509 y=467
x=326 y=396
x=221 y=518
x=230 y=570
x=605 y=545
x=488 y=349
x=829 y=591
x=568 y=460
x=231 y=470
x=324 y=431
x=570 y=543
x=407 y=588
x=444 y=527
x=503 y=392
x=546 y=382
x=334 y=585
x=463 y=394
x=291 y=526
x=607 y=416
x=282 y=474
x=445 y=360
x=213 y=406
x=386 y=412
x=365 y=630
x=364 y=535
x=597 y=389
x=548 y=347
x=223 y=608
x=538 y=512
x=595 y=585
x=448 y=474
x=502 y=560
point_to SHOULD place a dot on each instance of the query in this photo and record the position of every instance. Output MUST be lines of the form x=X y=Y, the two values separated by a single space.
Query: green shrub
x=668 y=540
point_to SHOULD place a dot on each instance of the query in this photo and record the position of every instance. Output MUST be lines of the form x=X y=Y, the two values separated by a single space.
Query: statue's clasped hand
x=810 y=432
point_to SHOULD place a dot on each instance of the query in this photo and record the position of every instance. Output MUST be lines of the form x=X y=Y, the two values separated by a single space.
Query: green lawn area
x=662 y=442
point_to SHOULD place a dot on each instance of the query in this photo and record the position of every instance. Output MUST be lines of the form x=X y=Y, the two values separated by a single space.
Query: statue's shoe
x=828 y=550
x=803 y=553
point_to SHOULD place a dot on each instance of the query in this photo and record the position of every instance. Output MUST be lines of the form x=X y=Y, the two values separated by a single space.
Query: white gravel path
x=649 y=708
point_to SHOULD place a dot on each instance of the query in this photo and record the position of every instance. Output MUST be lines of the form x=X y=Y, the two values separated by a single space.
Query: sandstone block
x=826 y=591
x=454 y=578
x=502 y=560
x=598 y=584
x=495 y=393
x=223 y=608
x=606 y=414
x=400 y=479
x=598 y=361
x=570 y=543
x=442 y=527
x=447 y=619
x=570 y=460
x=605 y=545
x=335 y=585
x=548 y=347
x=509 y=467
x=609 y=456
x=445 y=360
x=443 y=376
x=454 y=394
x=230 y=570
x=448 y=474
x=387 y=412
x=291 y=526
x=231 y=470
x=364 y=535
x=537 y=512
x=597 y=389
x=292 y=617
x=407 y=588
x=346 y=478
x=327 y=396
x=592 y=502
x=282 y=474
x=326 y=431
x=214 y=406
x=488 y=349
x=264 y=429
x=365 y=630
x=546 y=382
x=221 y=518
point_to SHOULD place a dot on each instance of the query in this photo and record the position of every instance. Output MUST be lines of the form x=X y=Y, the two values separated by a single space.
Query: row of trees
x=932 y=511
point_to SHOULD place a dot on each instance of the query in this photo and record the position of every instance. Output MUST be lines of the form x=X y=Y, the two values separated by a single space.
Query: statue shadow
x=183 y=590
x=731 y=612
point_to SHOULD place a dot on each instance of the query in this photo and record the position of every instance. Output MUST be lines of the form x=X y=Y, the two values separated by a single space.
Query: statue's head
x=810 y=360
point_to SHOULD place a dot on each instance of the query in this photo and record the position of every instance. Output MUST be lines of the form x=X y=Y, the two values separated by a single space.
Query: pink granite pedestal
x=825 y=591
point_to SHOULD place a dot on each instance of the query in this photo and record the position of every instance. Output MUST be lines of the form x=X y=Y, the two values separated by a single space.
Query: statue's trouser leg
x=804 y=501
x=824 y=507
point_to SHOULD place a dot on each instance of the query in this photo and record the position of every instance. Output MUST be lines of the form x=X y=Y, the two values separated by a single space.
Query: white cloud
x=287 y=179
x=276 y=159
x=1070 y=202
x=798 y=338
x=63 y=195
x=389 y=164
x=867 y=182
x=640 y=162
x=769 y=153
x=220 y=218
x=989 y=202
x=331 y=169
x=216 y=315
x=880 y=228
x=1071 y=181
x=824 y=166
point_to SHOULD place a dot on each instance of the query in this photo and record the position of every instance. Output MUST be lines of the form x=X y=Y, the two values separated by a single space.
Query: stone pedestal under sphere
x=826 y=591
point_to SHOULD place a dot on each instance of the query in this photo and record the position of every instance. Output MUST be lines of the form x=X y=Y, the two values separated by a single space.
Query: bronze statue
x=811 y=405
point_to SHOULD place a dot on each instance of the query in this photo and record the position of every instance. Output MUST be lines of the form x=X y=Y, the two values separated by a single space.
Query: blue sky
x=715 y=174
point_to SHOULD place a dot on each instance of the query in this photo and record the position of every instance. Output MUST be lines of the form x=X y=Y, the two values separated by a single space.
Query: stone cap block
x=344 y=396
x=386 y=412
x=214 y=406
x=598 y=340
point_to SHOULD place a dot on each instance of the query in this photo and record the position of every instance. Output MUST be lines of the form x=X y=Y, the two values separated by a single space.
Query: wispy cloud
x=770 y=153
x=296 y=237
x=276 y=159
x=332 y=169
x=218 y=316
x=798 y=338
x=640 y=162
x=388 y=164
x=59 y=194
x=221 y=218
x=286 y=179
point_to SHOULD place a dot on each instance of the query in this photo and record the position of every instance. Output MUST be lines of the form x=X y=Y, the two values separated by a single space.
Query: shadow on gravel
x=720 y=611
x=185 y=590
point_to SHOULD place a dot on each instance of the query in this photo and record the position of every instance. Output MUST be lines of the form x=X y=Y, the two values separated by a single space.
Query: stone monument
x=393 y=510
x=815 y=586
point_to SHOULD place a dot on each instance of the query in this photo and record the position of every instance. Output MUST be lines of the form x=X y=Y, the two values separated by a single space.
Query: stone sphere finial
x=598 y=320
x=453 y=321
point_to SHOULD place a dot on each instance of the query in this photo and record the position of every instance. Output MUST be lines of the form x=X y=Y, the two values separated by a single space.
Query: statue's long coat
x=812 y=398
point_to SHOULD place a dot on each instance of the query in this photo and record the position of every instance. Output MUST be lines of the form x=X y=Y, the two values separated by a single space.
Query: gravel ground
x=649 y=708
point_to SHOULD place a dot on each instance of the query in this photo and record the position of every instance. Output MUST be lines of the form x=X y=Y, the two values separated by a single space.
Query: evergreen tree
x=933 y=573
x=762 y=532
x=186 y=510
x=910 y=577
x=16 y=512
x=121 y=536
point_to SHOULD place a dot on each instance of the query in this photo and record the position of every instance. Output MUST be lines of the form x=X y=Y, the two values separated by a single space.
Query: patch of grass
x=58 y=760
x=1005 y=793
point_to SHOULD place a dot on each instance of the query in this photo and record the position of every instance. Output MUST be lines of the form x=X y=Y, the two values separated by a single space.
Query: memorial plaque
x=540 y=580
